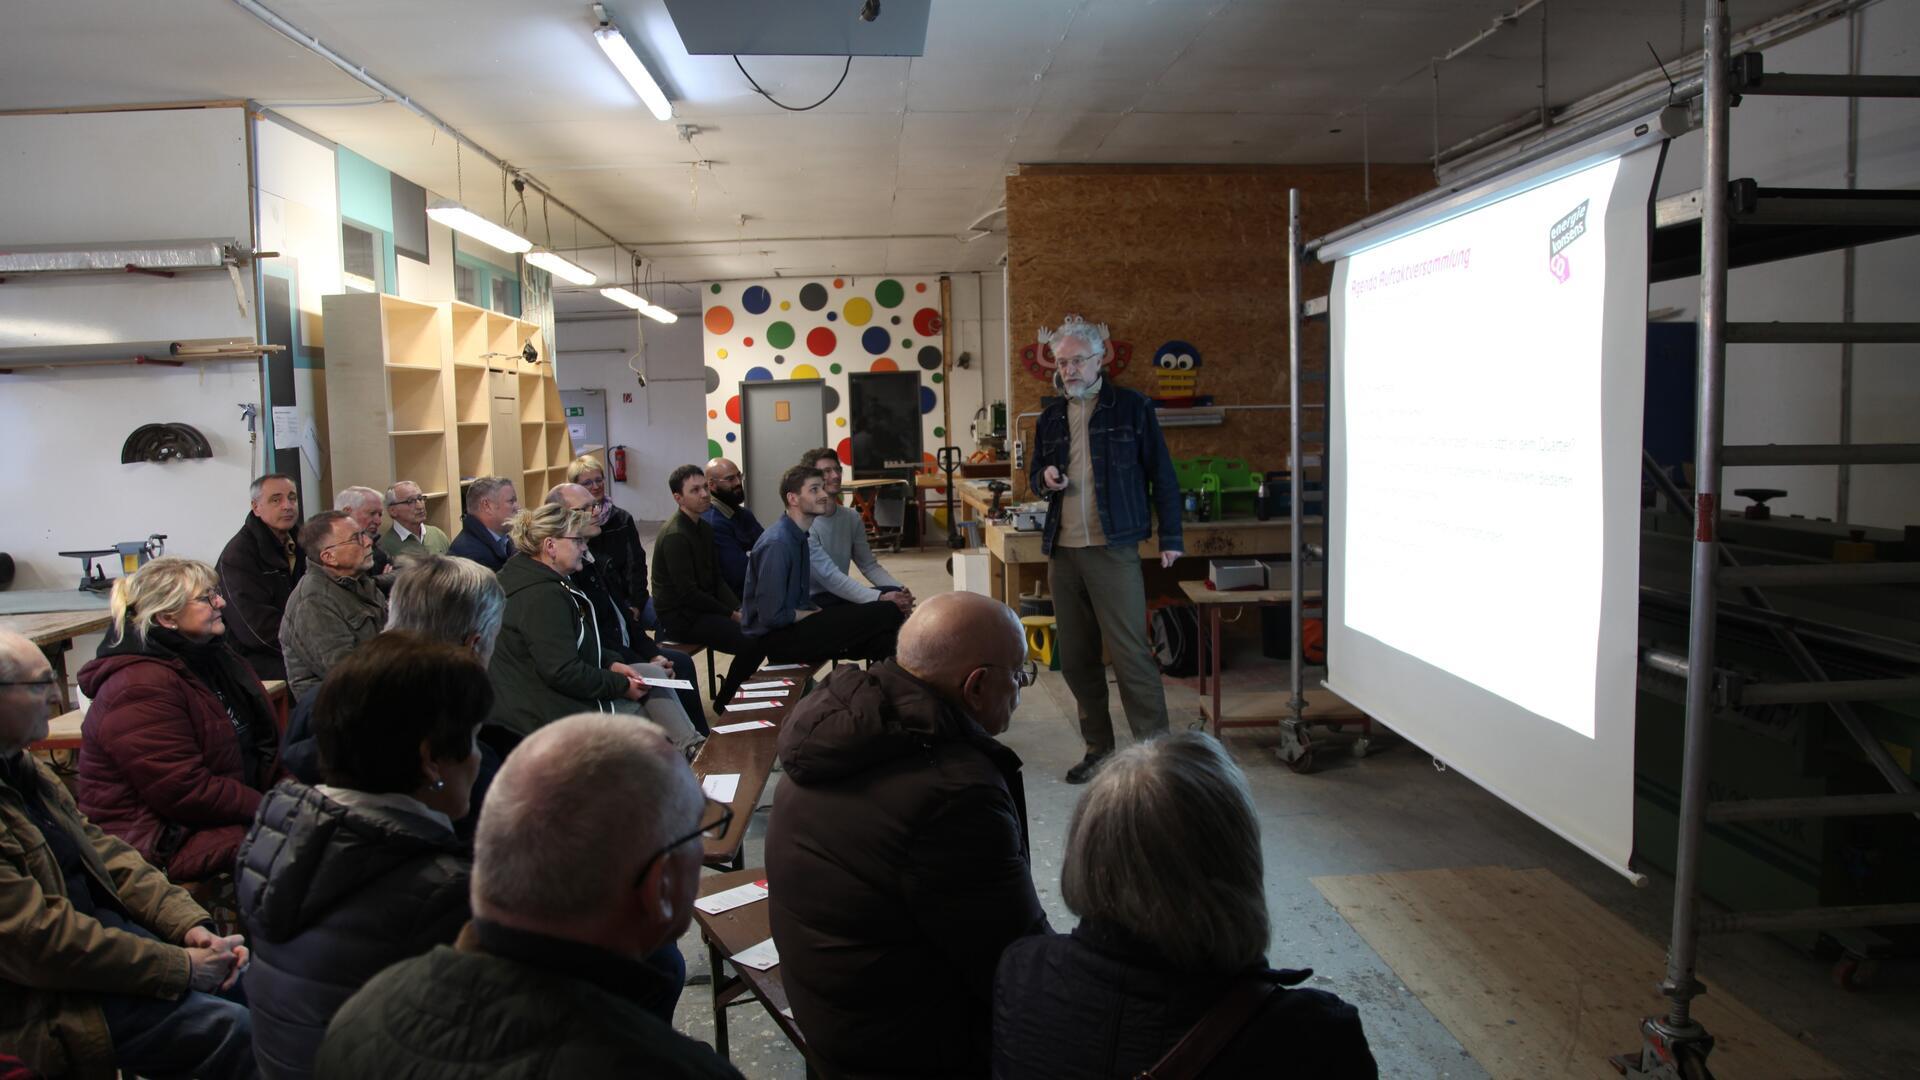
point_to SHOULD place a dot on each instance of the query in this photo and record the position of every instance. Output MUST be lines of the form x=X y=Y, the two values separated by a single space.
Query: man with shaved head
x=734 y=526
x=897 y=849
x=587 y=861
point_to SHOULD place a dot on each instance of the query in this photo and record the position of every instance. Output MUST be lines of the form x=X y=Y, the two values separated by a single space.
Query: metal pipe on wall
x=1296 y=701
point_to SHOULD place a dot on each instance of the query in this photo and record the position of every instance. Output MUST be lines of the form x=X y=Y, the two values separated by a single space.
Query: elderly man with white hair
x=410 y=534
x=1101 y=462
x=587 y=860
x=366 y=507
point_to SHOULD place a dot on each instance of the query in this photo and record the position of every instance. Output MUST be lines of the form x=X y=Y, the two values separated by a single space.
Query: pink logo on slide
x=1561 y=269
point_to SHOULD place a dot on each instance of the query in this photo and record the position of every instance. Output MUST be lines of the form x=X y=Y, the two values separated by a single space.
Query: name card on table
x=748 y=706
x=749 y=725
x=721 y=787
x=758 y=957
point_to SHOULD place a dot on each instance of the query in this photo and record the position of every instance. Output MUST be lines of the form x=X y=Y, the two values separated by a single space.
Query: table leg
x=716 y=963
x=56 y=654
x=920 y=513
x=1213 y=640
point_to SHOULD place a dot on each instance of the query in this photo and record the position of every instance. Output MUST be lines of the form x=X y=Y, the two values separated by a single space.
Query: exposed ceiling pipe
x=361 y=75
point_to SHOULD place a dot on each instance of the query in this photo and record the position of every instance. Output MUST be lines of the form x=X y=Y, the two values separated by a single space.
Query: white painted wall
x=662 y=426
x=979 y=329
x=1791 y=393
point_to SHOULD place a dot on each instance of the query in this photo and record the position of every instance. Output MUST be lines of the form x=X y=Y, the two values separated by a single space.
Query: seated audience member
x=336 y=606
x=837 y=541
x=695 y=605
x=258 y=570
x=367 y=508
x=410 y=534
x=549 y=661
x=617 y=546
x=1156 y=956
x=491 y=503
x=549 y=981
x=734 y=526
x=779 y=596
x=104 y=965
x=620 y=632
x=339 y=881
x=179 y=740
x=897 y=853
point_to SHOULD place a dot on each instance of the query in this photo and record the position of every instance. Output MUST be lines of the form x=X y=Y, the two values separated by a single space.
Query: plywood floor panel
x=1536 y=980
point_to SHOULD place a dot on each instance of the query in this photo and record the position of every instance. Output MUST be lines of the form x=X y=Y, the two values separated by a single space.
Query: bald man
x=106 y=964
x=551 y=978
x=897 y=849
x=734 y=526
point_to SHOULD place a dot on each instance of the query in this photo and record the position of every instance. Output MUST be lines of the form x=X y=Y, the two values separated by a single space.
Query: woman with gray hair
x=1167 y=969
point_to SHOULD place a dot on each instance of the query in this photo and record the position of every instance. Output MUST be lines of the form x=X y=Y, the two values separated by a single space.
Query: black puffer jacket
x=621 y=557
x=329 y=896
x=897 y=864
x=1097 y=1003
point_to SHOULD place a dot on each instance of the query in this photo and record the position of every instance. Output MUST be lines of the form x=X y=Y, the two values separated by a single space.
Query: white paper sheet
x=739 y=896
x=758 y=957
x=745 y=706
x=763 y=693
x=750 y=725
x=783 y=667
x=721 y=787
x=671 y=684
x=773 y=684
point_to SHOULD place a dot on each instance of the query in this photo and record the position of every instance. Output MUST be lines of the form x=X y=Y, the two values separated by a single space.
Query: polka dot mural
x=847 y=325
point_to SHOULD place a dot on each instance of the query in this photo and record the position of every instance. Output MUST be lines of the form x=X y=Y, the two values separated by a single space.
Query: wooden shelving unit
x=439 y=394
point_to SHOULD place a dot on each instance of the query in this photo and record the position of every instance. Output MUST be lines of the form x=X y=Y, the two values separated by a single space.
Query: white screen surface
x=1484 y=511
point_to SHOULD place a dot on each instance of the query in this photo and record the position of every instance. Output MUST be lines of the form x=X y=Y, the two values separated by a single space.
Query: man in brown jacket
x=104 y=964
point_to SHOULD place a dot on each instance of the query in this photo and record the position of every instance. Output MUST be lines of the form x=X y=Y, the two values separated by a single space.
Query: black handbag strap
x=1241 y=1002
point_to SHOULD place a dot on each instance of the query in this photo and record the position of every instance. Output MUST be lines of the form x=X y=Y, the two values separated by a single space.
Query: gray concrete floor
x=1389 y=812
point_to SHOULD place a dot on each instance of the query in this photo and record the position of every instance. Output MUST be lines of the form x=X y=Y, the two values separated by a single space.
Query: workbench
x=54 y=632
x=1015 y=561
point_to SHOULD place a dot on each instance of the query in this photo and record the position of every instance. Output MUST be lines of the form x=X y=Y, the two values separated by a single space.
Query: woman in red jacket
x=179 y=741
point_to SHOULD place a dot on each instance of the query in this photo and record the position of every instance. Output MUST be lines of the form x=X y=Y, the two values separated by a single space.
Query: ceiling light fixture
x=634 y=301
x=620 y=51
x=570 y=272
x=466 y=222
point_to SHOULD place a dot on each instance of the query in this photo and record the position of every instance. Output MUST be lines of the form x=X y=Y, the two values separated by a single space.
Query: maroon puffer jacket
x=160 y=765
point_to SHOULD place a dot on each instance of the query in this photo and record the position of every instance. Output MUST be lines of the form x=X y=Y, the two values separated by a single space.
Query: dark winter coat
x=548 y=662
x=327 y=618
x=512 y=1006
x=476 y=542
x=255 y=577
x=172 y=762
x=330 y=895
x=686 y=575
x=897 y=864
x=1098 y=1003
x=621 y=558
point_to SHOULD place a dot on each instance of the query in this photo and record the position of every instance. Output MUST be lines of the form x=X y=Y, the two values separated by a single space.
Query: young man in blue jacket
x=735 y=529
x=779 y=590
x=1100 y=460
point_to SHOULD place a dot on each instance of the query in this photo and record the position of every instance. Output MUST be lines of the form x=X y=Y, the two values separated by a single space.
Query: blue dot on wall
x=756 y=300
x=757 y=374
x=731 y=436
x=929 y=400
x=875 y=340
x=833 y=316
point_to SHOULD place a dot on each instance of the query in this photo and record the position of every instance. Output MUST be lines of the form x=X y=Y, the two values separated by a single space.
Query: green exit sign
x=576 y=410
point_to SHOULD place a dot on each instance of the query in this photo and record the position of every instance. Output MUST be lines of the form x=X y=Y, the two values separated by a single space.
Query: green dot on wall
x=713 y=448
x=835 y=368
x=939 y=378
x=716 y=288
x=938 y=433
x=906 y=343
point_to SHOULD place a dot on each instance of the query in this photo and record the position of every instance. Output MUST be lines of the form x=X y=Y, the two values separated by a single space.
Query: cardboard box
x=1226 y=575
x=1279 y=574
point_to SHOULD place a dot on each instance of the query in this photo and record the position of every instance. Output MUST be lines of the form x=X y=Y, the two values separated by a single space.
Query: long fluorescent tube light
x=570 y=272
x=651 y=311
x=615 y=45
x=466 y=222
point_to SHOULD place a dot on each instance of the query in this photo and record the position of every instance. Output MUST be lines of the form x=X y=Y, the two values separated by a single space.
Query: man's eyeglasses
x=715 y=818
x=1026 y=675
x=52 y=681
x=415 y=501
x=1077 y=361
x=364 y=537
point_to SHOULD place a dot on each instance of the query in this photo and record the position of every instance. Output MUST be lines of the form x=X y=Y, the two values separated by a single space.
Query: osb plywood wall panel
x=1197 y=255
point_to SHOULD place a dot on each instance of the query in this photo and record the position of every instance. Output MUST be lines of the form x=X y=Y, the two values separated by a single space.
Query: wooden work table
x=1015 y=561
x=54 y=632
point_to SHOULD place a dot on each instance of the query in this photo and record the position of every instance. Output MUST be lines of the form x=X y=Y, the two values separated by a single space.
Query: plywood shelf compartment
x=475 y=450
x=412 y=333
x=470 y=403
x=504 y=339
x=533 y=407
x=416 y=400
x=470 y=336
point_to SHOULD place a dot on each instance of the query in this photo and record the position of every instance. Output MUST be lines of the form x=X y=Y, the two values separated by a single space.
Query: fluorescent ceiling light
x=651 y=311
x=464 y=221
x=615 y=45
x=570 y=272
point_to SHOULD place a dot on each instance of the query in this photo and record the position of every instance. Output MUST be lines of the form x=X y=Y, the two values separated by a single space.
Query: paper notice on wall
x=739 y=896
x=310 y=446
x=758 y=957
x=721 y=787
x=286 y=426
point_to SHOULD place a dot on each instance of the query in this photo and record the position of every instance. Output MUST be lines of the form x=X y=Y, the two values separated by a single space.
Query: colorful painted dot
x=859 y=311
x=804 y=371
x=896 y=320
x=921 y=286
x=929 y=357
x=813 y=296
x=926 y=322
x=906 y=343
x=888 y=293
x=779 y=359
x=757 y=374
x=884 y=364
x=785 y=304
x=839 y=421
x=939 y=433
x=713 y=448
x=756 y=300
x=730 y=438
x=721 y=353
x=713 y=379
x=748 y=342
x=719 y=320
x=875 y=340
x=929 y=400
x=733 y=408
x=712 y=415
x=839 y=283
x=845 y=450
x=715 y=288
x=938 y=378
x=832 y=398
x=835 y=368
x=832 y=315
x=820 y=341
x=780 y=334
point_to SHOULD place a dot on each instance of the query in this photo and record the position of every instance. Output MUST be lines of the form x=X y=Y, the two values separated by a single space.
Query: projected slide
x=1472 y=400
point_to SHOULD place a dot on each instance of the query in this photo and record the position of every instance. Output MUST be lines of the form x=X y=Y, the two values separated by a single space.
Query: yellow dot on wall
x=859 y=310
x=785 y=305
x=839 y=421
x=804 y=371
x=722 y=354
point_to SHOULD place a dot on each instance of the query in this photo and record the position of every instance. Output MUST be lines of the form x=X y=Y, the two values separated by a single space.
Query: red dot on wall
x=919 y=286
x=820 y=341
x=845 y=450
x=748 y=342
x=926 y=322
x=733 y=408
x=839 y=283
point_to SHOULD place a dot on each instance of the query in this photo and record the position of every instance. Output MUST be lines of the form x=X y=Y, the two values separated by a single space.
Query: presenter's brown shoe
x=1084 y=771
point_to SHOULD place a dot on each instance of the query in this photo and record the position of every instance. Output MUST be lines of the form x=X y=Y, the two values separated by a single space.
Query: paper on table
x=750 y=725
x=746 y=705
x=782 y=667
x=721 y=787
x=758 y=957
x=671 y=684
x=738 y=896
x=762 y=693
x=773 y=684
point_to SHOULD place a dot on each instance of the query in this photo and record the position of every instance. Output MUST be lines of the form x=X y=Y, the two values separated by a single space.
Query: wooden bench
x=750 y=754
x=730 y=932
x=692 y=649
x=63 y=731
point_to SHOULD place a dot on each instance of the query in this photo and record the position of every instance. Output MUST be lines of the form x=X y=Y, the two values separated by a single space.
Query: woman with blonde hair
x=549 y=661
x=179 y=741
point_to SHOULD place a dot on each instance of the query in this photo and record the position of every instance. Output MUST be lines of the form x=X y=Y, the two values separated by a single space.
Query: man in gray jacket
x=334 y=610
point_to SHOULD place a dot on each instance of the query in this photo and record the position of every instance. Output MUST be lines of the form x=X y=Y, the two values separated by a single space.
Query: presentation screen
x=1483 y=467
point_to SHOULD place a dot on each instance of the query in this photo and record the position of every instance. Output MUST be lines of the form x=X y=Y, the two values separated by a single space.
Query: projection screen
x=1483 y=473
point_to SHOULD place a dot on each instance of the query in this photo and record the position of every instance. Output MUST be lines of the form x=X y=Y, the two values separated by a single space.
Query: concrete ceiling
x=889 y=173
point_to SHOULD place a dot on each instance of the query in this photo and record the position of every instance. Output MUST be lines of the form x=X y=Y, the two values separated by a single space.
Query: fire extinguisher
x=619 y=456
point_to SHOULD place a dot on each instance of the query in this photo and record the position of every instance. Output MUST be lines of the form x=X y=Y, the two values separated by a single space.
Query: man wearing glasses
x=334 y=609
x=550 y=970
x=366 y=505
x=1101 y=462
x=897 y=851
x=410 y=534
